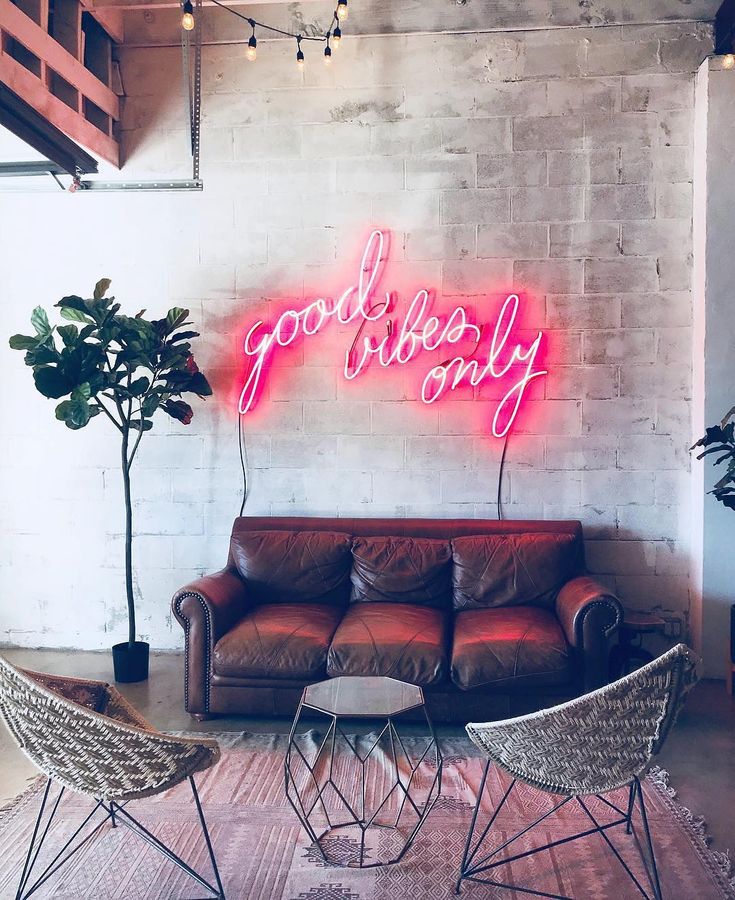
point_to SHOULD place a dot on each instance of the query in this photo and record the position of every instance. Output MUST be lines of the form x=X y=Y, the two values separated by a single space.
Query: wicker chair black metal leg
x=124 y=817
x=205 y=832
x=30 y=857
x=62 y=856
x=470 y=833
x=631 y=807
x=650 y=862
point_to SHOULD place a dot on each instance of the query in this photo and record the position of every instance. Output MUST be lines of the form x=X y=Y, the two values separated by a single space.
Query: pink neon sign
x=402 y=341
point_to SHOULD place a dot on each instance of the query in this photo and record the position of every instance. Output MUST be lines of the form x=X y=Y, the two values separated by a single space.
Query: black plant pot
x=130 y=661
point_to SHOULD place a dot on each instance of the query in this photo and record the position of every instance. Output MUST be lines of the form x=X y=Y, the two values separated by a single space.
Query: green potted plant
x=721 y=439
x=125 y=369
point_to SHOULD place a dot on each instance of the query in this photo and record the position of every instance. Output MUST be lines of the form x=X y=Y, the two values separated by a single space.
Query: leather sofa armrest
x=206 y=609
x=589 y=615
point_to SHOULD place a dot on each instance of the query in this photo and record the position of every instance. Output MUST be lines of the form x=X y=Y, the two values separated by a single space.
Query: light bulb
x=728 y=61
x=187 y=19
x=342 y=10
x=252 y=52
x=327 y=55
x=300 y=58
x=336 y=36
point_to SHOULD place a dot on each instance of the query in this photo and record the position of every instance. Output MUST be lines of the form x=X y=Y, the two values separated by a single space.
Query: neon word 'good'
x=419 y=332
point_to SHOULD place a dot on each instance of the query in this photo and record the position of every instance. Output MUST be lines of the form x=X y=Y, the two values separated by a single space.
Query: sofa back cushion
x=294 y=566
x=401 y=570
x=513 y=569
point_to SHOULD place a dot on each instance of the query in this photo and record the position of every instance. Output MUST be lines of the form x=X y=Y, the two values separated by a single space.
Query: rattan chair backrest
x=88 y=751
x=597 y=742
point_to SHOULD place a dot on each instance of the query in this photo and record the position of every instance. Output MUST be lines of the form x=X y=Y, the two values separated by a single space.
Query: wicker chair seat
x=597 y=742
x=592 y=745
x=86 y=736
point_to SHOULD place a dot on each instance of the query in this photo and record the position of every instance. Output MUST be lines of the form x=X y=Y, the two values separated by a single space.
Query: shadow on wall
x=154 y=133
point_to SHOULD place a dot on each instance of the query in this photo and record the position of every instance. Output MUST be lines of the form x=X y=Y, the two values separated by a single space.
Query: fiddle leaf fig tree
x=721 y=439
x=125 y=369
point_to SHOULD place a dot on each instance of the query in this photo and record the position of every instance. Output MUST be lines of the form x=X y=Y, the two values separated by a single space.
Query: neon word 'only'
x=496 y=358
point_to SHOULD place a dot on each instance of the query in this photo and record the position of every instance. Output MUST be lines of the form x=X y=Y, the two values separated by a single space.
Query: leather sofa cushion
x=294 y=566
x=513 y=569
x=401 y=570
x=521 y=646
x=283 y=640
x=397 y=639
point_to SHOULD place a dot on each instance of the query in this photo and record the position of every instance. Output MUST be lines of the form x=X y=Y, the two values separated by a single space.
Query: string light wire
x=334 y=30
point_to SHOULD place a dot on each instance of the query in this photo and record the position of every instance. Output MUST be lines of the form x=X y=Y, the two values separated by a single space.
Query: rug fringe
x=21 y=799
x=720 y=858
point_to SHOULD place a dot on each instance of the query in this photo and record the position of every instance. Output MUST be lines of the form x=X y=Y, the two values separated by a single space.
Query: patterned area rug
x=264 y=854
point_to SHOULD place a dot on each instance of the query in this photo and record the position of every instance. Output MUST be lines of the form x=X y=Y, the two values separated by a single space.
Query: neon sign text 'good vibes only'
x=491 y=353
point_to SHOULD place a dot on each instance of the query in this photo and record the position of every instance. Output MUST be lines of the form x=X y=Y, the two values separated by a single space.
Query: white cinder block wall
x=555 y=162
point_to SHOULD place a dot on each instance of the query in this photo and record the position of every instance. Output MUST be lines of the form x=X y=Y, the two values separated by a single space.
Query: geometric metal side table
x=361 y=801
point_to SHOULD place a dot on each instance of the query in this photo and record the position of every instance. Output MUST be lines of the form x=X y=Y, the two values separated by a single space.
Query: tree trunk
x=128 y=536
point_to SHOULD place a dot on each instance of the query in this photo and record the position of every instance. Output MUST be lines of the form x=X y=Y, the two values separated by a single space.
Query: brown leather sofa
x=491 y=618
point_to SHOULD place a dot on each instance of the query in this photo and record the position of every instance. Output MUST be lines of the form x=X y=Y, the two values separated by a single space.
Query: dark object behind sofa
x=491 y=618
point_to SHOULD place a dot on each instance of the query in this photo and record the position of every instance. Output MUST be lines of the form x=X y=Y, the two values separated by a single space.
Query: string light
x=728 y=61
x=252 y=52
x=187 y=19
x=333 y=33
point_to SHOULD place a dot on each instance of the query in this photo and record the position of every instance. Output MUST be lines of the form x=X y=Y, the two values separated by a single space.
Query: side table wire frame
x=395 y=749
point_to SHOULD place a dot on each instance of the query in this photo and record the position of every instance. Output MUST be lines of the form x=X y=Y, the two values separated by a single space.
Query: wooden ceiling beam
x=51 y=77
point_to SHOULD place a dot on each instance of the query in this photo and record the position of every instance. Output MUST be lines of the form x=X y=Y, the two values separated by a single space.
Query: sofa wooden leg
x=202 y=717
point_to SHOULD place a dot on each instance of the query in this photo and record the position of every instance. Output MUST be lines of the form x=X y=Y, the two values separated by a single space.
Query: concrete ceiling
x=507 y=14
x=149 y=20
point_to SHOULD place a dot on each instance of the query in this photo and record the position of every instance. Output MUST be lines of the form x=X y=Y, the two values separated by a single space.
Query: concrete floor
x=699 y=754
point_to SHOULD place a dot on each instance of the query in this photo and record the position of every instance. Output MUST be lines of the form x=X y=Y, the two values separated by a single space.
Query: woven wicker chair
x=86 y=737
x=594 y=744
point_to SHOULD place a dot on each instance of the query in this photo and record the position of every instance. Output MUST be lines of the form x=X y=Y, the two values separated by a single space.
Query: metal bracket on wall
x=191 y=58
x=172 y=185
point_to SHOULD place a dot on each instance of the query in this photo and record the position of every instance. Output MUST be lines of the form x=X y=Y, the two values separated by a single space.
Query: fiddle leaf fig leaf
x=73 y=315
x=150 y=404
x=101 y=288
x=40 y=322
x=76 y=413
x=41 y=355
x=22 y=342
x=199 y=385
x=69 y=334
x=138 y=425
x=51 y=382
x=138 y=387
x=183 y=336
x=74 y=302
x=175 y=318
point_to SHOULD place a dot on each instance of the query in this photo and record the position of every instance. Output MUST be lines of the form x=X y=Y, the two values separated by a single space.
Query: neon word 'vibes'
x=494 y=359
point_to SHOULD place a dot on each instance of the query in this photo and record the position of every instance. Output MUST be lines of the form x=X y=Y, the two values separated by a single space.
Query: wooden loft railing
x=58 y=58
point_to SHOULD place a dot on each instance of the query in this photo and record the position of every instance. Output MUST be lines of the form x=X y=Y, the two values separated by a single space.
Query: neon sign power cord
x=243 y=462
x=500 y=477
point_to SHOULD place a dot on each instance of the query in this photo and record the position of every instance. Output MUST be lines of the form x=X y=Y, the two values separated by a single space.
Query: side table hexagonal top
x=361 y=800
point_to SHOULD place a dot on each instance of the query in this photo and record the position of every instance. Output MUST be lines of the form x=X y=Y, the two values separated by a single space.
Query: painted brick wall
x=557 y=162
